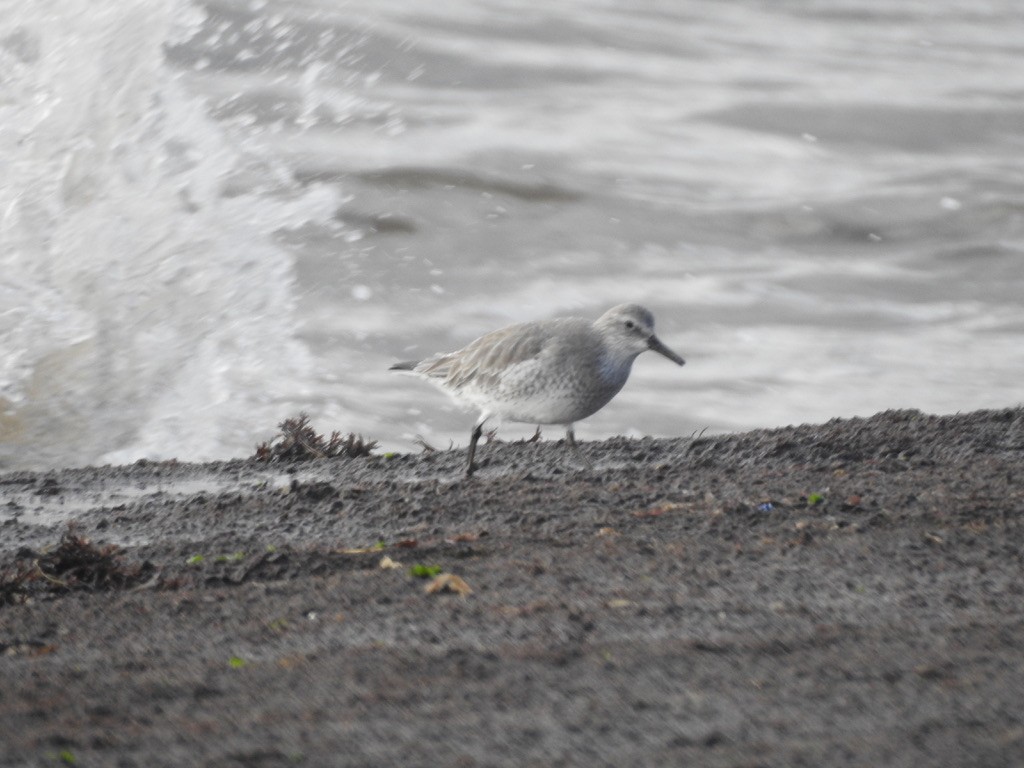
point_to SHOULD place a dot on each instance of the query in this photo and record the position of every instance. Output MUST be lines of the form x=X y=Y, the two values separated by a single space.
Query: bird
x=556 y=371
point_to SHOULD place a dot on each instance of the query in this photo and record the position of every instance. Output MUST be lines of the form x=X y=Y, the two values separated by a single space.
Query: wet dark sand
x=850 y=593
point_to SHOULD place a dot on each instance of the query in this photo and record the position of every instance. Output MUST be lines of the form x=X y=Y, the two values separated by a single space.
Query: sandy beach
x=848 y=593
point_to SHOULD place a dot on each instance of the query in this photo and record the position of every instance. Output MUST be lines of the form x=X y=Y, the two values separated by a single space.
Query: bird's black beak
x=655 y=343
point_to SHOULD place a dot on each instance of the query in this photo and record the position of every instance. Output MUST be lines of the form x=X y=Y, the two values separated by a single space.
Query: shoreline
x=846 y=593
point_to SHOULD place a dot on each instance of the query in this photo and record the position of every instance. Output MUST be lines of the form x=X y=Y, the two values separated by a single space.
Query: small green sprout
x=815 y=498
x=67 y=757
x=235 y=662
x=421 y=571
x=195 y=560
x=232 y=558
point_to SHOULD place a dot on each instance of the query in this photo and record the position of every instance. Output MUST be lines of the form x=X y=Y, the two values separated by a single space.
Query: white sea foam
x=143 y=313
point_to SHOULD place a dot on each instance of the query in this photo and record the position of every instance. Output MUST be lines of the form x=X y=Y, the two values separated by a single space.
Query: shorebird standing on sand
x=546 y=372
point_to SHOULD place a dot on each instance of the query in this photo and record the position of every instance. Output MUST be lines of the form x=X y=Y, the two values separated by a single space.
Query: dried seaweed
x=75 y=564
x=12 y=584
x=298 y=441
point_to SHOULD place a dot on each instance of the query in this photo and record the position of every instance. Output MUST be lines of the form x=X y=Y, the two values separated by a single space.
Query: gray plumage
x=546 y=372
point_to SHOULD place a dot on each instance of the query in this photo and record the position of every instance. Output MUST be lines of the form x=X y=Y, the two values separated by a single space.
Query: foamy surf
x=144 y=312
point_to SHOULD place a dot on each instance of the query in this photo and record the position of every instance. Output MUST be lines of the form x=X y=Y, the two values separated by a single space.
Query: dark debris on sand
x=298 y=441
x=74 y=564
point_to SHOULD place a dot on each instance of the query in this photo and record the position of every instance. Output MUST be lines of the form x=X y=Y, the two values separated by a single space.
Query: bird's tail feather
x=408 y=365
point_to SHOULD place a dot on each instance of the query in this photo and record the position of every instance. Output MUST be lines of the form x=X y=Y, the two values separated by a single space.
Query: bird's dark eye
x=630 y=325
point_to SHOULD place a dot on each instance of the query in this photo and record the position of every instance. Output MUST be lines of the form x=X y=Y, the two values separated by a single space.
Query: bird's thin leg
x=570 y=438
x=473 y=438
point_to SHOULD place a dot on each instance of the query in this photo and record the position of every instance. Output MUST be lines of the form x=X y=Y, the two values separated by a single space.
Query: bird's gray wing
x=483 y=361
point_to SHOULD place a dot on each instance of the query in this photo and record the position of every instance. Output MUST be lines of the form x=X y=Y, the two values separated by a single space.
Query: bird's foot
x=570 y=439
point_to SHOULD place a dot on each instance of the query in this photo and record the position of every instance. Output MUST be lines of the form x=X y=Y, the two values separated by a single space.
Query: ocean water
x=216 y=214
